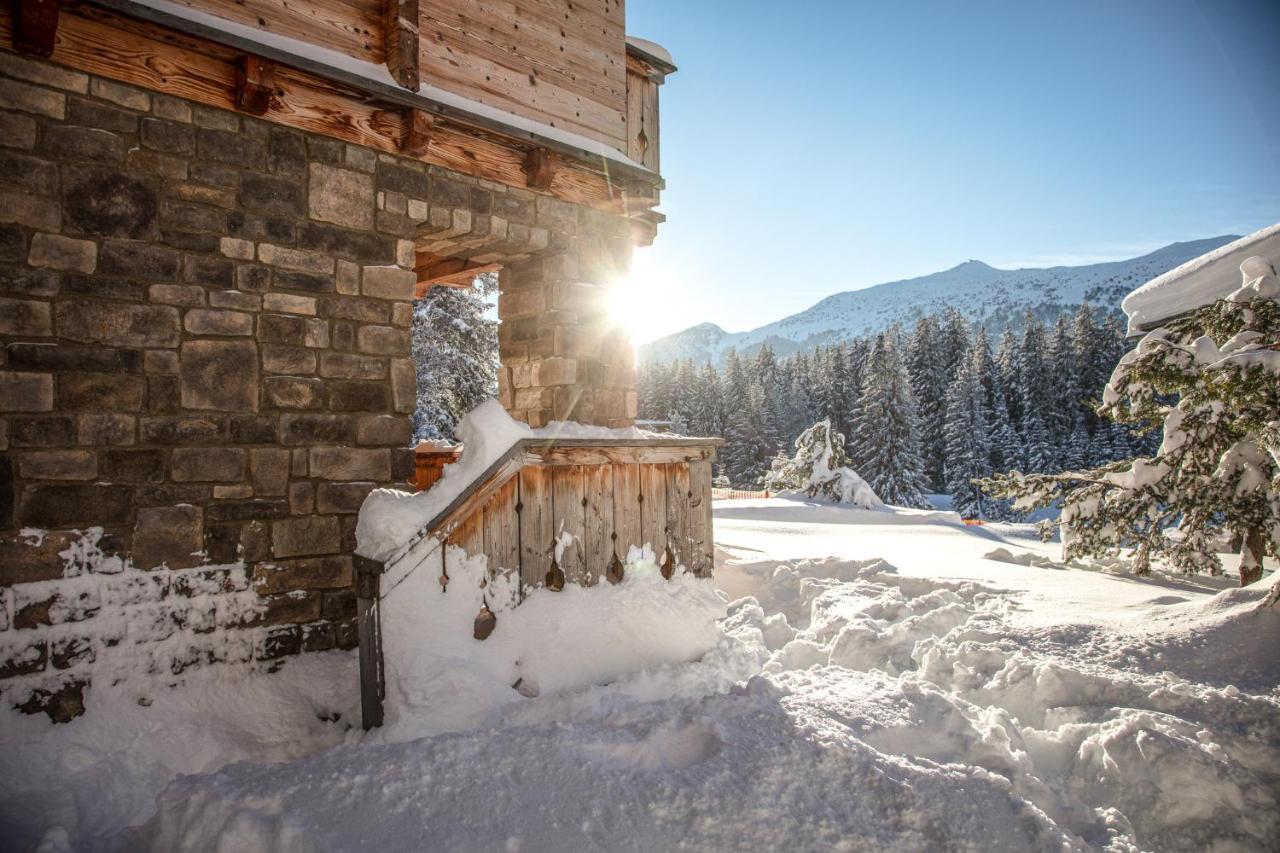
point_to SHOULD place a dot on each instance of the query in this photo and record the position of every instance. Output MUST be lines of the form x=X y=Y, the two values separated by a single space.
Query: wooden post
x=430 y=458
x=35 y=26
x=416 y=139
x=373 y=685
x=540 y=168
x=255 y=84
x=400 y=29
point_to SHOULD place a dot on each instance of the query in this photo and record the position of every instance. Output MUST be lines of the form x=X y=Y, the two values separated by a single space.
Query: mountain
x=981 y=292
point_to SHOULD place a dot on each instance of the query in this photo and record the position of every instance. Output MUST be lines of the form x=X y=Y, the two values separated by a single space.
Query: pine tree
x=885 y=440
x=820 y=469
x=967 y=438
x=1209 y=380
x=455 y=350
x=927 y=365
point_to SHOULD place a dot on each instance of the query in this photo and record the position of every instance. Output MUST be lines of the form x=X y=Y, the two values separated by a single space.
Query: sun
x=641 y=301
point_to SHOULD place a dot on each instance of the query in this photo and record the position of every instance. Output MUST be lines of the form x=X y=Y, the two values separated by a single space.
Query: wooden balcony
x=607 y=494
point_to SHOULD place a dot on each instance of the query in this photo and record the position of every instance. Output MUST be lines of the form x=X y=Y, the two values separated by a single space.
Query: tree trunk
x=1251 y=552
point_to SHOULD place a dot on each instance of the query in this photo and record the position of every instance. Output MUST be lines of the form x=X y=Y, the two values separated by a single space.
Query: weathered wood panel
x=567 y=487
x=642 y=120
x=597 y=538
x=677 y=484
x=702 y=539
x=653 y=506
x=560 y=62
x=469 y=534
x=536 y=532
x=626 y=507
x=353 y=27
x=502 y=529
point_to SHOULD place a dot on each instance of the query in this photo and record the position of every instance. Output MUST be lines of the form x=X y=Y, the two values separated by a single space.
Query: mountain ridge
x=983 y=293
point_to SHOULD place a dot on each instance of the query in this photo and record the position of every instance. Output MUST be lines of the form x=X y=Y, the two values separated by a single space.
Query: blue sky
x=814 y=147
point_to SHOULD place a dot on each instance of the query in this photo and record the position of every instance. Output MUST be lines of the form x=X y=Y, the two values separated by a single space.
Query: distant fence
x=737 y=494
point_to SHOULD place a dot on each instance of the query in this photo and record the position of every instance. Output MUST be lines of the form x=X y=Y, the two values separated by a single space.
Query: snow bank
x=440 y=678
x=389 y=518
x=1200 y=281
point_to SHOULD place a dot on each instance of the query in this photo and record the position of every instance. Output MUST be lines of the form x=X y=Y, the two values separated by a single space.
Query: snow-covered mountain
x=981 y=292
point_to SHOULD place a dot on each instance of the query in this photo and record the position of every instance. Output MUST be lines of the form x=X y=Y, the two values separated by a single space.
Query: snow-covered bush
x=1211 y=381
x=819 y=469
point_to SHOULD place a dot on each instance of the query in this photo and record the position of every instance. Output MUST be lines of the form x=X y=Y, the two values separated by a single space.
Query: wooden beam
x=400 y=28
x=416 y=139
x=35 y=26
x=540 y=167
x=255 y=84
x=434 y=270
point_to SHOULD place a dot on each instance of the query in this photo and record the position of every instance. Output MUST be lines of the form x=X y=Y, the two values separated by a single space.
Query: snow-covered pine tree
x=819 y=468
x=967 y=438
x=1211 y=380
x=927 y=366
x=1060 y=419
x=885 y=445
x=455 y=351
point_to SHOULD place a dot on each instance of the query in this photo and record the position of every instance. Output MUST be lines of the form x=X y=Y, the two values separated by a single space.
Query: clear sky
x=814 y=147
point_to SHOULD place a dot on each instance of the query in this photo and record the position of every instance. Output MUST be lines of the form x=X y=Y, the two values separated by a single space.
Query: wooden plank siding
x=626 y=507
x=677 y=485
x=501 y=542
x=701 y=535
x=536 y=531
x=352 y=27
x=598 y=525
x=653 y=507
x=567 y=487
x=561 y=62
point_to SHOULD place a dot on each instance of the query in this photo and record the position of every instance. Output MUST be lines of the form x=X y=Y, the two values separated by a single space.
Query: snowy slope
x=881 y=680
x=981 y=292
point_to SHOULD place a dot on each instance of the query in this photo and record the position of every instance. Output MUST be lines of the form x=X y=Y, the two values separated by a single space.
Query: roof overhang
x=1200 y=281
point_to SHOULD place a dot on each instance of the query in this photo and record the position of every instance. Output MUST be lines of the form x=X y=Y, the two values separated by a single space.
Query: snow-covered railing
x=554 y=511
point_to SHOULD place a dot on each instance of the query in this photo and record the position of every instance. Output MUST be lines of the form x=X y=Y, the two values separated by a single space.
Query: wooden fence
x=607 y=494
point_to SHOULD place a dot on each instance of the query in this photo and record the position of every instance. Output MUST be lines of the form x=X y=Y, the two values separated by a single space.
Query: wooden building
x=214 y=218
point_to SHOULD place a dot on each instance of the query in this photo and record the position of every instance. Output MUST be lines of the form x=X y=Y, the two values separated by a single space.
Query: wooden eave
x=469 y=142
x=658 y=68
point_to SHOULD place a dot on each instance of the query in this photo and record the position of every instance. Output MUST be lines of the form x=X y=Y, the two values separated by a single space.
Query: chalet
x=214 y=218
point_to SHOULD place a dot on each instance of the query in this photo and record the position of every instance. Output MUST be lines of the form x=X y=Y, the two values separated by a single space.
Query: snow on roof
x=1199 y=281
x=652 y=48
x=377 y=75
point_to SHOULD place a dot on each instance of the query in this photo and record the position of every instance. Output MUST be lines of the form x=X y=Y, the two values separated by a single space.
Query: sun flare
x=641 y=301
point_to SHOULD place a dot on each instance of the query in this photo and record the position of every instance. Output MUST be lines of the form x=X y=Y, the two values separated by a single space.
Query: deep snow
x=880 y=680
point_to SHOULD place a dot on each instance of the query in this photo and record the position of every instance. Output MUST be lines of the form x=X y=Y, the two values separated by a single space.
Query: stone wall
x=204 y=364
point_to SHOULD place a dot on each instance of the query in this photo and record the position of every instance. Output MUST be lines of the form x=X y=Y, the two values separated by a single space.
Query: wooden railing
x=607 y=494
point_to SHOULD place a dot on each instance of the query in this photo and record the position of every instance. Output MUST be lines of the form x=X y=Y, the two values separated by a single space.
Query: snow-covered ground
x=875 y=682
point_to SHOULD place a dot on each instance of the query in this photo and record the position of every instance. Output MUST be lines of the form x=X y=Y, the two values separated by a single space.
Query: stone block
x=287 y=303
x=269 y=471
x=32 y=99
x=272 y=194
x=316 y=333
x=387 y=282
x=132 y=466
x=348 y=278
x=342 y=498
x=301 y=497
x=341 y=365
x=23 y=658
x=116 y=324
x=348 y=463
x=53 y=251
x=26 y=391
x=221 y=375
x=234 y=247
x=41 y=431
x=209 y=271
x=58 y=465
x=118 y=93
x=26 y=559
x=22 y=207
x=76 y=505
x=182 y=295
x=306 y=536
x=382 y=340
x=304 y=429
x=341 y=196
x=236 y=300
x=172 y=536
x=168 y=136
x=404 y=385
x=294 y=360
x=140 y=259
x=360 y=310
x=184 y=430
x=362 y=246
x=105 y=429
x=284 y=329
x=109 y=204
x=226 y=323
x=207 y=464
x=291 y=392
x=350 y=395
x=25 y=318
x=114 y=392
x=317 y=572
